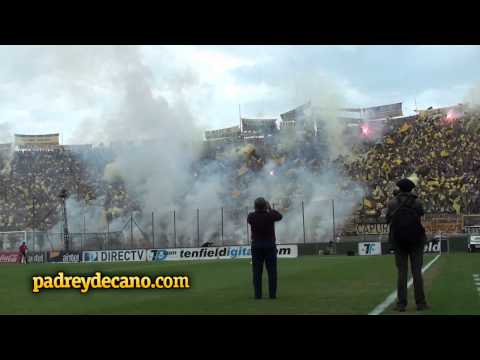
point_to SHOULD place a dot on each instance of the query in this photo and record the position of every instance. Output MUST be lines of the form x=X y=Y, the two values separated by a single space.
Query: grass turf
x=307 y=285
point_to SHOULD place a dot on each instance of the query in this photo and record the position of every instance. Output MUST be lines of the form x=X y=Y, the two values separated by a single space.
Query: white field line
x=393 y=296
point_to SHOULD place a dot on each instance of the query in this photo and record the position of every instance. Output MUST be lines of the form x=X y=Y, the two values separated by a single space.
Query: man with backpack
x=407 y=237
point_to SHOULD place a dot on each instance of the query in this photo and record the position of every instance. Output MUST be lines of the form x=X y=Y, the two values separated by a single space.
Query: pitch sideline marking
x=393 y=296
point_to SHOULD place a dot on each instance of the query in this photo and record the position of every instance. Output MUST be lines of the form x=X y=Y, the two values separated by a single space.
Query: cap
x=406 y=185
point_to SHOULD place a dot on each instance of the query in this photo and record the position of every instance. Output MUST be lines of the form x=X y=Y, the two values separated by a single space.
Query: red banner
x=8 y=257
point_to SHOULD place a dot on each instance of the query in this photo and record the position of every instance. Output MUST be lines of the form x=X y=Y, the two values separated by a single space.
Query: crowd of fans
x=281 y=160
x=436 y=148
x=31 y=181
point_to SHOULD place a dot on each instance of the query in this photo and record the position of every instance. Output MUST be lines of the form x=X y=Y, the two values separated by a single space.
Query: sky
x=50 y=89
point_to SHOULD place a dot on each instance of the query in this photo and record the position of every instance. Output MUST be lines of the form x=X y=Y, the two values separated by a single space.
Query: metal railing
x=313 y=222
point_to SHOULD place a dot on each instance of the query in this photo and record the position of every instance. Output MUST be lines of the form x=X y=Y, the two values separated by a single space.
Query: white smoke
x=6 y=132
x=6 y=154
x=473 y=96
x=156 y=144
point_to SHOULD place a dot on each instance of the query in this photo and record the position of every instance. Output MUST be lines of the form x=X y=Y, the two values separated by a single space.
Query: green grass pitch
x=307 y=285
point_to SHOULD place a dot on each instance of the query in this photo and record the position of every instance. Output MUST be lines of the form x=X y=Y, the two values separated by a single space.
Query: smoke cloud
x=5 y=132
x=158 y=148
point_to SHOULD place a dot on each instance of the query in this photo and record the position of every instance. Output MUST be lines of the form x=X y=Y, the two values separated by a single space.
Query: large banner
x=222 y=133
x=114 y=255
x=369 y=248
x=215 y=253
x=382 y=112
x=447 y=223
x=63 y=256
x=297 y=114
x=263 y=126
x=433 y=224
x=8 y=256
x=38 y=140
x=372 y=229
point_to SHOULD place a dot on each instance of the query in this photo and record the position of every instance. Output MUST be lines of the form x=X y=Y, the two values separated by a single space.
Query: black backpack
x=406 y=225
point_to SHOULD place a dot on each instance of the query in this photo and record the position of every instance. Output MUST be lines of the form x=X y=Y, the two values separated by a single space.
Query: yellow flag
x=385 y=167
x=456 y=205
x=405 y=127
x=367 y=203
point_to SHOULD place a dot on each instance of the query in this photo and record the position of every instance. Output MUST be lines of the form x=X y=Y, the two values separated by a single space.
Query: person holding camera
x=264 y=248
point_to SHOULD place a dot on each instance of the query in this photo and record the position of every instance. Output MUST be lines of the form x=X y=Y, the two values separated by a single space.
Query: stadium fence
x=319 y=221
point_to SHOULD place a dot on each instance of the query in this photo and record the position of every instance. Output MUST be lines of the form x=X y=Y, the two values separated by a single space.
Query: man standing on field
x=407 y=237
x=264 y=248
x=23 y=253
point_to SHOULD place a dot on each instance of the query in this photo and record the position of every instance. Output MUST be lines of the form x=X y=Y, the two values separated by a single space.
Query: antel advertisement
x=63 y=256
x=36 y=257
x=215 y=253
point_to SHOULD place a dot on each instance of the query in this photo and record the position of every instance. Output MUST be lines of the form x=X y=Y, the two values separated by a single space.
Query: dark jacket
x=395 y=203
x=262 y=224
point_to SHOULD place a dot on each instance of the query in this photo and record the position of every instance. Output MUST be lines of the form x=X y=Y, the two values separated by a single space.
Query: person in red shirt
x=23 y=252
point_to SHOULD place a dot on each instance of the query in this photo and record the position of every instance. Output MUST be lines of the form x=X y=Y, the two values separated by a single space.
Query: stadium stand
x=38 y=175
x=439 y=147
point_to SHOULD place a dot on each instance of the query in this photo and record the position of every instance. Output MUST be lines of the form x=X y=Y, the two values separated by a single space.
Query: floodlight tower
x=66 y=237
